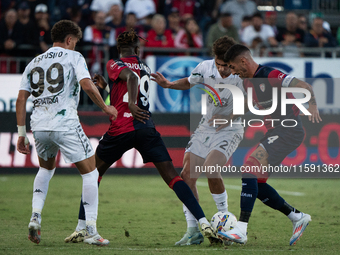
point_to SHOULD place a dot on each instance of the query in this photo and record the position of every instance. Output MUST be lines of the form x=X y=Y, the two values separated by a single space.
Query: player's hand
x=99 y=81
x=160 y=80
x=138 y=113
x=23 y=145
x=111 y=111
x=315 y=117
x=220 y=126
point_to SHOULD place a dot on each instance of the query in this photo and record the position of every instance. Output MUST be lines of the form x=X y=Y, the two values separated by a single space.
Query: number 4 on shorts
x=271 y=139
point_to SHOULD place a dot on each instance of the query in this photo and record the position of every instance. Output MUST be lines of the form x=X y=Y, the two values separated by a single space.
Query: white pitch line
x=238 y=187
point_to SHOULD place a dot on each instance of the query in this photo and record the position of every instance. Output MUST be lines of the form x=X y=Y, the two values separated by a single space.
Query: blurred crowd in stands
x=163 y=23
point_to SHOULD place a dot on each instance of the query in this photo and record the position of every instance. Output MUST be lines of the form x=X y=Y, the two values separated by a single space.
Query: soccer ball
x=223 y=221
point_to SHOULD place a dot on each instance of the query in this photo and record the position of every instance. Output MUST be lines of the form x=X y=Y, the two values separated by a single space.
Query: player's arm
x=91 y=90
x=181 y=84
x=313 y=108
x=131 y=79
x=23 y=143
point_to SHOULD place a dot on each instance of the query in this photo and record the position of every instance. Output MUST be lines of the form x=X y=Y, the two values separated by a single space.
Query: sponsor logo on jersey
x=47 y=100
x=262 y=87
x=127 y=114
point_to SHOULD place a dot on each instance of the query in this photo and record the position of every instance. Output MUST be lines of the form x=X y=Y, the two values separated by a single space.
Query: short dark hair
x=221 y=46
x=234 y=51
x=63 y=28
x=257 y=15
x=246 y=18
x=128 y=39
x=225 y=14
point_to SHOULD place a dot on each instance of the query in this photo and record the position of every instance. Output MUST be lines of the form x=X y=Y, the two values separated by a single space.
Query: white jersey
x=53 y=79
x=206 y=72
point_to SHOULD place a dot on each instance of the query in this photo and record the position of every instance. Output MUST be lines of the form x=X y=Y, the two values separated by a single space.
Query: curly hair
x=222 y=45
x=128 y=39
x=63 y=28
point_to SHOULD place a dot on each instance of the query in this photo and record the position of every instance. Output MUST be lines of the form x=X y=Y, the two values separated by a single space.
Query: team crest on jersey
x=262 y=87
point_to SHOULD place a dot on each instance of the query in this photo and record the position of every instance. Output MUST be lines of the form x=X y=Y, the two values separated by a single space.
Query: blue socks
x=185 y=194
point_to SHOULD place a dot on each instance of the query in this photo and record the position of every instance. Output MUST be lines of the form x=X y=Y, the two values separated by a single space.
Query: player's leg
x=278 y=149
x=222 y=147
x=248 y=194
x=90 y=175
x=188 y=174
x=215 y=180
x=78 y=235
x=76 y=148
x=184 y=193
x=269 y=196
x=46 y=151
x=109 y=150
x=149 y=143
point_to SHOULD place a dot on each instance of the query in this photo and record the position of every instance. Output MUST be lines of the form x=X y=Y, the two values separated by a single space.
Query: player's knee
x=186 y=176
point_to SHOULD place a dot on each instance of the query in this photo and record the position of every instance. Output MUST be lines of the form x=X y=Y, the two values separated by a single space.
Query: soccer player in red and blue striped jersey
x=277 y=143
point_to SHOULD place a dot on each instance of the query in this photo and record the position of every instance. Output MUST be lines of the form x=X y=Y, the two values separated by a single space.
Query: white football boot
x=233 y=235
x=34 y=228
x=298 y=227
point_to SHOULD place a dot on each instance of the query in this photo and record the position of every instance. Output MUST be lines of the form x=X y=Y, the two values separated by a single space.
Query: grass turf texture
x=141 y=215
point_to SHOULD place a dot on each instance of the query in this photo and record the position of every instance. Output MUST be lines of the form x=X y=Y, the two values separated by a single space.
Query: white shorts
x=73 y=144
x=202 y=143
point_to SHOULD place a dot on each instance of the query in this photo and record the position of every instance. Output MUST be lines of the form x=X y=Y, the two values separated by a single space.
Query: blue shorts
x=147 y=141
x=280 y=141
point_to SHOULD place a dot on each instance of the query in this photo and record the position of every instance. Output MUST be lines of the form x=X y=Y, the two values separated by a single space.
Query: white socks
x=81 y=225
x=90 y=199
x=221 y=201
x=204 y=220
x=191 y=220
x=242 y=226
x=293 y=216
x=40 y=188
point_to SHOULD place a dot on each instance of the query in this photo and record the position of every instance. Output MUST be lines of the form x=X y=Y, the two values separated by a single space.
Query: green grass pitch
x=146 y=209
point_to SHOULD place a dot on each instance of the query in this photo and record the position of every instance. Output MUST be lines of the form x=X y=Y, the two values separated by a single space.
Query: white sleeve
x=81 y=68
x=88 y=36
x=25 y=82
x=287 y=80
x=196 y=75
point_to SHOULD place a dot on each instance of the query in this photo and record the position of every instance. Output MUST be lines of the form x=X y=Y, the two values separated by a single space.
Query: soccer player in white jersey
x=53 y=79
x=208 y=146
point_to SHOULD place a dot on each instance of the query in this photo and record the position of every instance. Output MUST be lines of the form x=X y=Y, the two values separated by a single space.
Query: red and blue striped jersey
x=119 y=94
x=263 y=82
